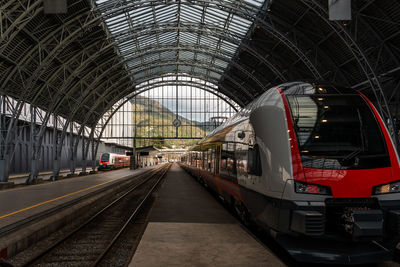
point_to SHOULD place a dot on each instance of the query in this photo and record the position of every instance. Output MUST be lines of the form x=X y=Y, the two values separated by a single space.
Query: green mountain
x=155 y=120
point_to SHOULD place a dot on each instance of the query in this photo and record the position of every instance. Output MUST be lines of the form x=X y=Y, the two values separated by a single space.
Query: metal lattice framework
x=198 y=104
x=77 y=66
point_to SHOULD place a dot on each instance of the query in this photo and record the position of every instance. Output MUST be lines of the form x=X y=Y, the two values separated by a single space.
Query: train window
x=254 y=161
x=204 y=160
x=223 y=163
x=105 y=157
x=337 y=132
x=211 y=160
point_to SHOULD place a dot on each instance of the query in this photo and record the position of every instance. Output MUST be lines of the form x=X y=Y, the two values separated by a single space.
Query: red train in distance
x=113 y=161
x=314 y=165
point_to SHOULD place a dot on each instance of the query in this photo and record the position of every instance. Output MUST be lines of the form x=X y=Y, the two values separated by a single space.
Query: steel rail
x=92 y=218
x=36 y=218
x=133 y=215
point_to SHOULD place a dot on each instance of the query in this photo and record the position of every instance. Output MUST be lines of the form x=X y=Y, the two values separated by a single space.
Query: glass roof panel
x=215 y=75
x=167 y=37
x=186 y=55
x=221 y=63
x=147 y=32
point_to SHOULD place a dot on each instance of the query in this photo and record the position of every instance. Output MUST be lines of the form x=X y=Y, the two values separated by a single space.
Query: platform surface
x=20 y=178
x=20 y=203
x=188 y=227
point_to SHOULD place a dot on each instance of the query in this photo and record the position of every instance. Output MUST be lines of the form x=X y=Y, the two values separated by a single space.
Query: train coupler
x=363 y=223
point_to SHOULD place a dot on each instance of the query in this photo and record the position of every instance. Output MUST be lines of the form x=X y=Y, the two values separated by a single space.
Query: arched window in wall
x=170 y=115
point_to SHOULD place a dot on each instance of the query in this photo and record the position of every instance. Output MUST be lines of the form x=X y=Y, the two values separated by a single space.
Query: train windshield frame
x=337 y=131
x=105 y=157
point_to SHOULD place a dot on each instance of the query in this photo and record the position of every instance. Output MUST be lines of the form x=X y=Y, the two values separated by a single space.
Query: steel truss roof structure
x=78 y=65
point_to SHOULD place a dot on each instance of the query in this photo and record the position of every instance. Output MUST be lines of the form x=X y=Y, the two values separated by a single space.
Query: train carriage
x=113 y=161
x=309 y=162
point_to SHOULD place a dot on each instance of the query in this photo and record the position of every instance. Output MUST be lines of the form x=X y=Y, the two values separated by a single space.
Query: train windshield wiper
x=352 y=155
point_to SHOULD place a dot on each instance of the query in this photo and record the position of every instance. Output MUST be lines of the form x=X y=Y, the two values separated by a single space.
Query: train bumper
x=357 y=219
x=342 y=231
x=315 y=250
x=103 y=167
x=358 y=224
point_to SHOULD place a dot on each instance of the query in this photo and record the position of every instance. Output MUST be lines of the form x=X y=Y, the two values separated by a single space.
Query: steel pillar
x=89 y=144
x=93 y=152
x=4 y=159
x=8 y=125
x=56 y=157
x=32 y=179
x=4 y=171
x=72 y=152
x=83 y=151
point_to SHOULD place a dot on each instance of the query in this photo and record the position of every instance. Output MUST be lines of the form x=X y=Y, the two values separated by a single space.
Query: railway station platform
x=20 y=178
x=22 y=205
x=188 y=227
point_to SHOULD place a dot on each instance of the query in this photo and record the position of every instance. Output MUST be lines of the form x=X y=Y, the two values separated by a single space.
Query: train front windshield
x=105 y=157
x=337 y=132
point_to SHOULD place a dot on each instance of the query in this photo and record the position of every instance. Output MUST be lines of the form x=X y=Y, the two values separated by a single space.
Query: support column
x=133 y=158
x=83 y=152
x=72 y=153
x=4 y=158
x=8 y=128
x=56 y=154
x=97 y=145
x=32 y=179
x=94 y=158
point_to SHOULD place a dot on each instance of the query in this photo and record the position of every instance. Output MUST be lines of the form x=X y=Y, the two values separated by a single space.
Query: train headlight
x=393 y=187
x=305 y=188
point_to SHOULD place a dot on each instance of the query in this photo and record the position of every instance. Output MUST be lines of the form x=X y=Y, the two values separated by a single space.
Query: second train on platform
x=113 y=161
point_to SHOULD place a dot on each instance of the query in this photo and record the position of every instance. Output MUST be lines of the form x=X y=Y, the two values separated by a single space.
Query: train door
x=241 y=136
x=248 y=175
x=217 y=159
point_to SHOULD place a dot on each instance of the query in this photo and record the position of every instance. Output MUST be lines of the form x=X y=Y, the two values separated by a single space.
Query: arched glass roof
x=180 y=36
x=79 y=64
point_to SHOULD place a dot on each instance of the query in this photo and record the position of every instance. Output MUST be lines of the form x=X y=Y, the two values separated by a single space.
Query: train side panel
x=269 y=132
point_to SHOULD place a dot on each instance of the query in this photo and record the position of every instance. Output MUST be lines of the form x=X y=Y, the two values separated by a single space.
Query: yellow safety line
x=54 y=199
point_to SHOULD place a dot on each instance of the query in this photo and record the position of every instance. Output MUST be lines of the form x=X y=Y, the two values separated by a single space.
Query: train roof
x=313 y=88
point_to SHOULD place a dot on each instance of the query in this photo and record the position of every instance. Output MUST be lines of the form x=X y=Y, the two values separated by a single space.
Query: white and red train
x=313 y=164
x=113 y=161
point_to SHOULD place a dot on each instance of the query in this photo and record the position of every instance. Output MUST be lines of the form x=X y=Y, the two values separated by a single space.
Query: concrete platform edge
x=16 y=240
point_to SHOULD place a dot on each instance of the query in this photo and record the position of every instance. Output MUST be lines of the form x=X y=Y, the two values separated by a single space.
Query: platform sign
x=55 y=6
x=339 y=9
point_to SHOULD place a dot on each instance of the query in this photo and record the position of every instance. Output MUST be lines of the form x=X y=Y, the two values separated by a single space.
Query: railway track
x=92 y=242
